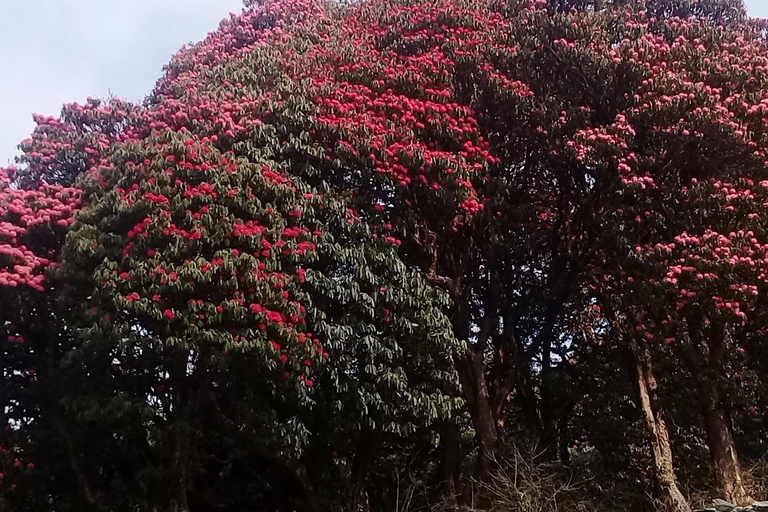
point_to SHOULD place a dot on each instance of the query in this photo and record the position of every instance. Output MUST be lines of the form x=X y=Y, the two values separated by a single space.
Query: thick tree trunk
x=449 y=442
x=526 y=394
x=657 y=428
x=501 y=379
x=705 y=373
x=179 y=478
x=722 y=450
x=500 y=392
x=471 y=367
x=472 y=374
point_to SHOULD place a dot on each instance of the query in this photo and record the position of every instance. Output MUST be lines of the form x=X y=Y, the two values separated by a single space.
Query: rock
x=719 y=505
x=723 y=506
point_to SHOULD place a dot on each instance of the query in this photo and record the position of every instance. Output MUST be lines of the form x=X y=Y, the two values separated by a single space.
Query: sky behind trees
x=59 y=51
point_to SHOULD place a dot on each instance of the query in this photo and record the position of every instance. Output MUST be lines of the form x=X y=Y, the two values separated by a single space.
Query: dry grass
x=523 y=483
x=755 y=474
x=756 y=479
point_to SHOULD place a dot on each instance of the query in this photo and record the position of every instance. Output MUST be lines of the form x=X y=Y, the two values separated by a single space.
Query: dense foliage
x=353 y=256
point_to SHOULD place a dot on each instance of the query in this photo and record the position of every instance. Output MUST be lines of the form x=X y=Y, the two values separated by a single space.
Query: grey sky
x=58 y=51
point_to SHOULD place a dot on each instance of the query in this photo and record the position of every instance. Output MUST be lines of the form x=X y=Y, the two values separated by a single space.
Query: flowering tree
x=687 y=214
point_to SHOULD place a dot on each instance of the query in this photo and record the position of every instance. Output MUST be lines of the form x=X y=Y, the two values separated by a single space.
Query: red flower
x=169 y=314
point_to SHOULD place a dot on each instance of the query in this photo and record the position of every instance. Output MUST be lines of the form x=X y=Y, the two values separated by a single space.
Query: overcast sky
x=58 y=51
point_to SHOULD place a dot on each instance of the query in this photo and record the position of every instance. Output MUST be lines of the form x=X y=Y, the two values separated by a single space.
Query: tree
x=32 y=227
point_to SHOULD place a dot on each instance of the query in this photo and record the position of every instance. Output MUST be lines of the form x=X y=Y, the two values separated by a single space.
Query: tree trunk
x=657 y=428
x=500 y=392
x=526 y=394
x=548 y=420
x=472 y=377
x=179 y=478
x=471 y=367
x=705 y=373
x=449 y=441
x=360 y=466
x=722 y=450
x=472 y=374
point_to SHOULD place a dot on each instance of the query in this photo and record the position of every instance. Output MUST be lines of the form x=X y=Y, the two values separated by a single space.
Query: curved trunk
x=659 y=434
x=705 y=372
x=722 y=449
x=472 y=376
x=471 y=366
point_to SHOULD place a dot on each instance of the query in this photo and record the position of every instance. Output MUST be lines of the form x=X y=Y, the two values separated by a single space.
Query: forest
x=400 y=255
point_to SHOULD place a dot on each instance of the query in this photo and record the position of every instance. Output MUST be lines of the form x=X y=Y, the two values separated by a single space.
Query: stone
x=723 y=506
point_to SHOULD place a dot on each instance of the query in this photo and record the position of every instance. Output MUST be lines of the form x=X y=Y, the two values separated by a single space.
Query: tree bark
x=525 y=391
x=179 y=478
x=360 y=466
x=449 y=441
x=472 y=377
x=657 y=428
x=471 y=366
x=722 y=450
x=500 y=391
x=717 y=422
x=647 y=388
x=472 y=374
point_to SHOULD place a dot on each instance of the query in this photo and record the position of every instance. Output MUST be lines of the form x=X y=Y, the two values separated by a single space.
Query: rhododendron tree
x=230 y=258
x=33 y=222
x=688 y=216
